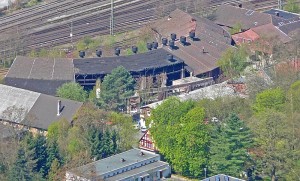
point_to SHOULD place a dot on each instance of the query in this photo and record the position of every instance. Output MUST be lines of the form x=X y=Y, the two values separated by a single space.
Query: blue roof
x=282 y=14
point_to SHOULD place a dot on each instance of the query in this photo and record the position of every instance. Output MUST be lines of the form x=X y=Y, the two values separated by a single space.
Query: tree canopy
x=116 y=88
x=292 y=6
x=228 y=147
x=181 y=135
x=233 y=61
x=72 y=91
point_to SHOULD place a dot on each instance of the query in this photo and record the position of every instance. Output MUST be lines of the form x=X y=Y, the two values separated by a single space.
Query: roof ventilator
x=164 y=41
x=173 y=36
x=98 y=53
x=183 y=40
x=117 y=51
x=134 y=49
x=149 y=46
x=155 y=45
x=172 y=44
x=81 y=54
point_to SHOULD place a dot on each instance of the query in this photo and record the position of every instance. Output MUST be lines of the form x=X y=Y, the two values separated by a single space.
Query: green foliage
x=271 y=136
x=126 y=132
x=32 y=3
x=142 y=46
x=294 y=96
x=237 y=27
x=233 y=61
x=269 y=99
x=116 y=88
x=43 y=53
x=20 y=169
x=33 y=53
x=72 y=91
x=228 y=147
x=181 y=135
x=292 y=6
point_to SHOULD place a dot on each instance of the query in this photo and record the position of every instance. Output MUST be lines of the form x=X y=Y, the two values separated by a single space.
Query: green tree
x=20 y=169
x=233 y=61
x=293 y=96
x=269 y=99
x=116 y=88
x=181 y=135
x=54 y=169
x=292 y=6
x=228 y=147
x=237 y=27
x=123 y=132
x=72 y=91
x=272 y=142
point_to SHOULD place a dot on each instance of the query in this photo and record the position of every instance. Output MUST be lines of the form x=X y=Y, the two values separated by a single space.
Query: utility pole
x=112 y=18
x=71 y=33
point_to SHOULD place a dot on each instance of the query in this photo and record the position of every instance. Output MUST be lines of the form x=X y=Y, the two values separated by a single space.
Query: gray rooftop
x=44 y=111
x=282 y=14
x=140 y=170
x=114 y=162
x=222 y=177
x=33 y=109
x=42 y=68
x=15 y=98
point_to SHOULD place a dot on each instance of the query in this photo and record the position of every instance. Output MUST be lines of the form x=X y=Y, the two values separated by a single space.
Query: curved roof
x=134 y=63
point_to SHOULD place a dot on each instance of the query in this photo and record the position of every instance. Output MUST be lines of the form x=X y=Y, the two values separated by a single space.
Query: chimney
x=58 y=107
x=277 y=13
x=203 y=50
x=123 y=160
x=240 y=5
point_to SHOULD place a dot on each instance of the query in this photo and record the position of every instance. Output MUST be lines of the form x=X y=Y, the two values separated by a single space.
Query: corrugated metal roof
x=42 y=68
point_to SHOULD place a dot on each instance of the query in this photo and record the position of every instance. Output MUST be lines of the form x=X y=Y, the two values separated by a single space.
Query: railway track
x=50 y=24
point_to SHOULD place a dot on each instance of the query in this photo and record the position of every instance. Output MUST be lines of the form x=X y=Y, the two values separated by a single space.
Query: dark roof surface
x=193 y=54
x=138 y=62
x=282 y=14
x=230 y=15
x=178 y=22
x=44 y=111
x=42 y=68
x=37 y=85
